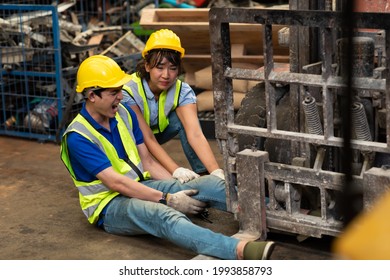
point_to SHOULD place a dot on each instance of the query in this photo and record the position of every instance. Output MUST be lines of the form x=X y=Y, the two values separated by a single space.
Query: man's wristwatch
x=163 y=199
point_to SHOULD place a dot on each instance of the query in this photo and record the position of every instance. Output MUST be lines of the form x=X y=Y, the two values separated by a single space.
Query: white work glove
x=184 y=175
x=219 y=173
x=183 y=202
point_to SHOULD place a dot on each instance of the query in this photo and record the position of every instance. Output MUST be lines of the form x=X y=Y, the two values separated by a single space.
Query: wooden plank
x=256 y=59
x=197 y=18
x=184 y=19
x=94 y=40
x=238 y=50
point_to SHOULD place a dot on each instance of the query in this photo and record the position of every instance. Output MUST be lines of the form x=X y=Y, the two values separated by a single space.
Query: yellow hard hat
x=163 y=39
x=100 y=71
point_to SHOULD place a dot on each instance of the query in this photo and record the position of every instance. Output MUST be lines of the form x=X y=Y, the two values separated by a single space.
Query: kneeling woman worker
x=166 y=106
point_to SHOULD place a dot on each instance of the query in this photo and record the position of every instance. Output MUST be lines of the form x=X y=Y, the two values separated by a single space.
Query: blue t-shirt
x=86 y=158
x=186 y=96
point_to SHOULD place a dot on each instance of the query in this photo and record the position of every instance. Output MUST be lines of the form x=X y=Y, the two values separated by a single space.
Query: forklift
x=308 y=150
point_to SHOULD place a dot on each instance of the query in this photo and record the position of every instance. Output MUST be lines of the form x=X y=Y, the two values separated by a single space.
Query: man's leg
x=211 y=189
x=131 y=216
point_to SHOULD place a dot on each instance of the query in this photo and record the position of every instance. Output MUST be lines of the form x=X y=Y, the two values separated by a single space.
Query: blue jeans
x=131 y=216
x=175 y=127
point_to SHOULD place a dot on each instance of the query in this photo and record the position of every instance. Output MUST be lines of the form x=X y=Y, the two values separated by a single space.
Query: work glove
x=183 y=202
x=219 y=173
x=184 y=175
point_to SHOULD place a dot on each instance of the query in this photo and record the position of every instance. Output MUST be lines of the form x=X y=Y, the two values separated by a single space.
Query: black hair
x=96 y=91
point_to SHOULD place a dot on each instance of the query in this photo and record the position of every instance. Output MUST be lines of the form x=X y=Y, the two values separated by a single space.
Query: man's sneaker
x=258 y=250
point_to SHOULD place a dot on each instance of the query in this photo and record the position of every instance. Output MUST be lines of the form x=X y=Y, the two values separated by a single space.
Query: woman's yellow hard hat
x=163 y=39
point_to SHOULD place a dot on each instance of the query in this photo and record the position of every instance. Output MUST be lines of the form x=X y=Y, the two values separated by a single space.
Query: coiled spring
x=313 y=122
x=360 y=122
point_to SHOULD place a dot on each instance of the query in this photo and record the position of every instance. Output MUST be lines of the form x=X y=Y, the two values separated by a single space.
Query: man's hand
x=183 y=202
x=219 y=173
x=184 y=175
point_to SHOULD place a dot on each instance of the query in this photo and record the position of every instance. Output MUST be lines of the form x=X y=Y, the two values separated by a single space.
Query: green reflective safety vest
x=167 y=101
x=94 y=196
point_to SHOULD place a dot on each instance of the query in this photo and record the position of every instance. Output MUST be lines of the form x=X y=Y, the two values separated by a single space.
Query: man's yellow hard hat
x=102 y=72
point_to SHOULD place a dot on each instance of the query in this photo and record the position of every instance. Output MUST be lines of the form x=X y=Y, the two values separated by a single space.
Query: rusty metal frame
x=257 y=220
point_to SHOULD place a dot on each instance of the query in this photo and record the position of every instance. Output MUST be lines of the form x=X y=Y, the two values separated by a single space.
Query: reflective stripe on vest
x=94 y=196
x=167 y=101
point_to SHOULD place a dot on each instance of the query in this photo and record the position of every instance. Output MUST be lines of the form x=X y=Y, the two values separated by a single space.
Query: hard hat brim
x=124 y=80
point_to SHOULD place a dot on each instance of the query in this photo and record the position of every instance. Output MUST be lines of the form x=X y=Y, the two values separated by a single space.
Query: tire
x=253 y=112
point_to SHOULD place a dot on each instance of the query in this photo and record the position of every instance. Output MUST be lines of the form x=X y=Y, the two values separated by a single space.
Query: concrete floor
x=41 y=218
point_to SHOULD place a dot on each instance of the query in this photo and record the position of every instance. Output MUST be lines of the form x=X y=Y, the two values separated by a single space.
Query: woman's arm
x=188 y=116
x=149 y=163
x=153 y=146
x=180 y=173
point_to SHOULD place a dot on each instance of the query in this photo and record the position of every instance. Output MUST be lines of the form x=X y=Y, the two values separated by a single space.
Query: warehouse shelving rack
x=31 y=72
x=37 y=82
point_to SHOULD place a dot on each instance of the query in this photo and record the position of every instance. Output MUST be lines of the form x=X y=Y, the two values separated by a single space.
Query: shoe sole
x=269 y=248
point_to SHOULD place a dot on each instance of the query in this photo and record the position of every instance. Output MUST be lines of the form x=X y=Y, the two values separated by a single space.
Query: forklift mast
x=317 y=150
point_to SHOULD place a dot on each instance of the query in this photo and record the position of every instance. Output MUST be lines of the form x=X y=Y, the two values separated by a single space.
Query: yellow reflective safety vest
x=94 y=196
x=167 y=101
